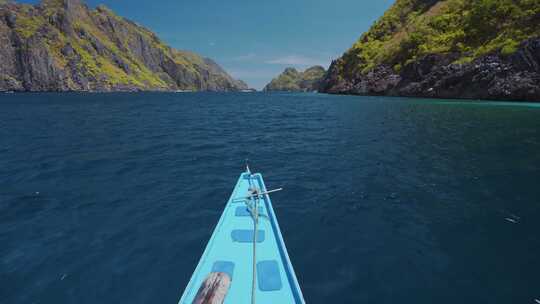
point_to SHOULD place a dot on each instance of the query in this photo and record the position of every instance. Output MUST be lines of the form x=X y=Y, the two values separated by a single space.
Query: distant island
x=292 y=80
x=62 y=45
x=481 y=49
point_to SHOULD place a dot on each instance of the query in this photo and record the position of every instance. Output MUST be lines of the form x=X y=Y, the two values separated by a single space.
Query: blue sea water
x=111 y=198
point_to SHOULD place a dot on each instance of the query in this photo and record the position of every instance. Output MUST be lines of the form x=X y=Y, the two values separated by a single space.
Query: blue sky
x=254 y=40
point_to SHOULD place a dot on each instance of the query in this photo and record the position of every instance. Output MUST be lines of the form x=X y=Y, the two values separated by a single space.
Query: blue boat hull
x=230 y=251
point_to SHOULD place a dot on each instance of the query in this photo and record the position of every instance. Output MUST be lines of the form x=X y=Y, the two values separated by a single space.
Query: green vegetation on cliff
x=411 y=29
x=62 y=45
x=293 y=81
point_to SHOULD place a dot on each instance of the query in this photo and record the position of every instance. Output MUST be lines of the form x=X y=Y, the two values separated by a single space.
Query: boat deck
x=230 y=250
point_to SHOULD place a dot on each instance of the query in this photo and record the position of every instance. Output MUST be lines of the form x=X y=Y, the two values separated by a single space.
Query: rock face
x=494 y=76
x=507 y=70
x=62 y=45
x=293 y=81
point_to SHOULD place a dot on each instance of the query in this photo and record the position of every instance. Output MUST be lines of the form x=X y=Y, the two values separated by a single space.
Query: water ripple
x=112 y=197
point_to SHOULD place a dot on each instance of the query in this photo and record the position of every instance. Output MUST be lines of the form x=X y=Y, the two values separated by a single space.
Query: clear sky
x=254 y=40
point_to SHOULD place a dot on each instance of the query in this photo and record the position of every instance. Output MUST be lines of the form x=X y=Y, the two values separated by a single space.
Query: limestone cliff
x=62 y=45
x=486 y=49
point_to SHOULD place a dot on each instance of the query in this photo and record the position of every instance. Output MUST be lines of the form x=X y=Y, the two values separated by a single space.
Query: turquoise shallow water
x=111 y=198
